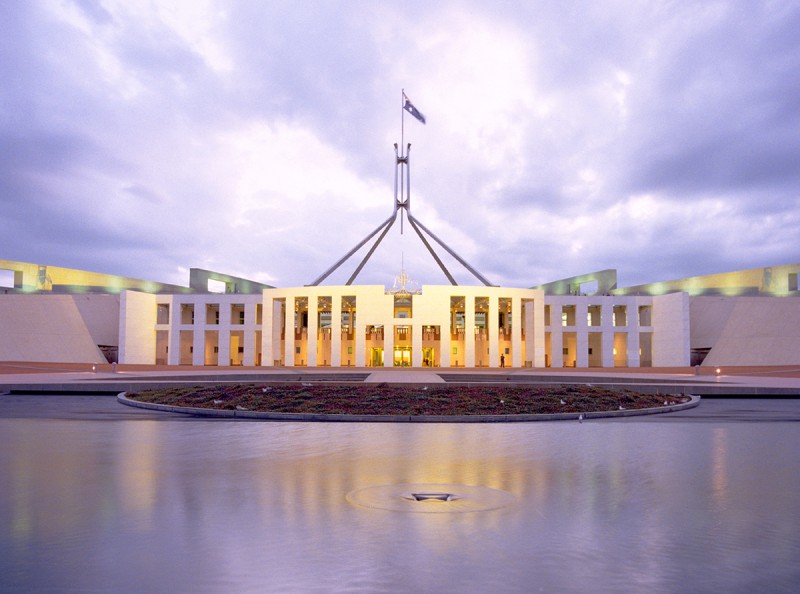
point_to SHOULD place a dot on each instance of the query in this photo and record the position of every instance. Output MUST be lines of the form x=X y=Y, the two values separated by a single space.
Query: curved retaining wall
x=277 y=416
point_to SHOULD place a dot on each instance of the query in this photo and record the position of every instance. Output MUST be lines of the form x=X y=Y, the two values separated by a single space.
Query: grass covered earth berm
x=411 y=400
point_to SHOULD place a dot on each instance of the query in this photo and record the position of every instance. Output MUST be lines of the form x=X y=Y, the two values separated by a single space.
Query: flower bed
x=392 y=399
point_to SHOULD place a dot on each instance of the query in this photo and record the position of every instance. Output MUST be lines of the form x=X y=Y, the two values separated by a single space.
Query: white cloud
x=256 y=138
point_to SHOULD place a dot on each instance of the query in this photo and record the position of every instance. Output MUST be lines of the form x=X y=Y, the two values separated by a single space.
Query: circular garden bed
x=406 y=400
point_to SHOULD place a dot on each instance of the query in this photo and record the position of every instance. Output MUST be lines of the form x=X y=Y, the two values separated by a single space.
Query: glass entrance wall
x=300 y=331
x=402 y=356
x=374 y=340
x=482 y=318
x=431 y=346
x=376 y=356
x=402 y=346
x=324 y=325
x=347 y=325
x=457 y=331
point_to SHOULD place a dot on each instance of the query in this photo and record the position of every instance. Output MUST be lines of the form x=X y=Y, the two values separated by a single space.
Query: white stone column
x=538 y=331
x=608 y=346
x=416 y=345
x=557 y=343
x=388 y=345
x=633 y=359
x=174 y=335
x=268 y=343
x=582 y=346
x=360 y=339
x=444 y=333
x=224 y=335
x=199 y=337
x=249 y=334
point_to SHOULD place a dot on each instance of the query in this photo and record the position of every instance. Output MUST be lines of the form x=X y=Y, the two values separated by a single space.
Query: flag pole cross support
x=402 y=203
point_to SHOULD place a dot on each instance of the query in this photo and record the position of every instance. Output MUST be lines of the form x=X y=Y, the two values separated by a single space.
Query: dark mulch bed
x=391 y=399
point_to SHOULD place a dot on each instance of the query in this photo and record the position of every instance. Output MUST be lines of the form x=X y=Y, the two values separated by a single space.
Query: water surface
x=101 y=497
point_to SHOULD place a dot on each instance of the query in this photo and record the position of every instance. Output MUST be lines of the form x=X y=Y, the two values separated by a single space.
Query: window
x=7 y=279
x=162 y=316
x=620 y=315
x=593 y=315
x=568 y=315
x=403 y=306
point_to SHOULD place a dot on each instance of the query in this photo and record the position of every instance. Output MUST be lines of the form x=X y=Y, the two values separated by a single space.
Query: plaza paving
x=87 y=378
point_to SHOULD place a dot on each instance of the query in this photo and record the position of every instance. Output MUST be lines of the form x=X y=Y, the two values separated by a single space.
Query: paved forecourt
x=86 y=379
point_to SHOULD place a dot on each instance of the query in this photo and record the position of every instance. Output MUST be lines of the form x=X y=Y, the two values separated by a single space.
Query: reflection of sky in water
x=626 y=506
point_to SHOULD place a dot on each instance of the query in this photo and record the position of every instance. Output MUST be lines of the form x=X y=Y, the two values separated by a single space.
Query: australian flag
x=409 y=107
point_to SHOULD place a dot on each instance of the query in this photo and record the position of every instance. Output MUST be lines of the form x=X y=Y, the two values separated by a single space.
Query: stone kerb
x=278 y=416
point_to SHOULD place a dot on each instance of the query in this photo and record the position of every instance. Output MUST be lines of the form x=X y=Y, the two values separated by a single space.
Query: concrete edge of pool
x=277 y=416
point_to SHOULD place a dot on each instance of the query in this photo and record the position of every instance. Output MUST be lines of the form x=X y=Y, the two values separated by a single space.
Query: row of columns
x=521 y=312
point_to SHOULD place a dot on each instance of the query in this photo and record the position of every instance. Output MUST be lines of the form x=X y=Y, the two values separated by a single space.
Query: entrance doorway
x=402 y=356
x=376 y=357
x=428 y=357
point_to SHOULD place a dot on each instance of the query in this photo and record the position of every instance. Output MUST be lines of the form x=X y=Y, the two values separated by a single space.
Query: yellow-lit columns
x=537 y=352
x=530 y=332
x=493 y=330
x=469 y=330
x=312 y=336
x=288 y=324
x=336 y=330
x=516 y=331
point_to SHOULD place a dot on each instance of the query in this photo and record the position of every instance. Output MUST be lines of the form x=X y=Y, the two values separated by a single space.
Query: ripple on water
x=431 y=498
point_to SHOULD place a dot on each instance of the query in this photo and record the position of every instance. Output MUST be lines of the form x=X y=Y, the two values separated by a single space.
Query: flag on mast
x=409 y=107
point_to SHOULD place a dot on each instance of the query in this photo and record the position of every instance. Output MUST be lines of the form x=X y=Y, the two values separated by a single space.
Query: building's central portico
x=439 y=326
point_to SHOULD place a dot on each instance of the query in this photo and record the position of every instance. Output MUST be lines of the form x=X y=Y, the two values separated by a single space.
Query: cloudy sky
x=255 y=138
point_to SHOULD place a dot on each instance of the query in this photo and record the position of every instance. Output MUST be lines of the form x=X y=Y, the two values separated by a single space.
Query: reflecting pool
x=95 y=496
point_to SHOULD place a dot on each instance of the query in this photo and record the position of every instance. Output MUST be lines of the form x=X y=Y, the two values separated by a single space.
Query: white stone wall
x=759 y=331
x=46 y=328
x=671 y=332
x=137 y=321
x=591 y=333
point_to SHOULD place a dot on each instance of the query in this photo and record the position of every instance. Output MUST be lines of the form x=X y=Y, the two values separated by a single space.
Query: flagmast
x=402 y=150
x=402 y=119
x=402 y=202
